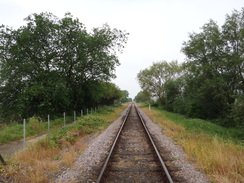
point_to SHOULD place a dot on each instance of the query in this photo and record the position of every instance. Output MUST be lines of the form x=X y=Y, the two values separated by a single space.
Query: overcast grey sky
x=157 y=27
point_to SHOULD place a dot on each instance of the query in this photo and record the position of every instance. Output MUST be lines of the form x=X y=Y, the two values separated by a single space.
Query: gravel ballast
x=176 y=154
x=85 y=169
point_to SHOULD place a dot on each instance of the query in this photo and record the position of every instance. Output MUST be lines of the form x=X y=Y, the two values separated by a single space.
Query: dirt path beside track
x=8 y=149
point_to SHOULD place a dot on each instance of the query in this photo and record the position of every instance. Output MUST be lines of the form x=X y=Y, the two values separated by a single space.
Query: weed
x=34 y=126
x=69 y=157
x=57 y=157
x=70 y=139
x=2 y=170
x=202 y=126
x=34 y=123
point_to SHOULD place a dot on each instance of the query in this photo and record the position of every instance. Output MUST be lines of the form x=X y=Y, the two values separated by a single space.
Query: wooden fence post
x=2 y=160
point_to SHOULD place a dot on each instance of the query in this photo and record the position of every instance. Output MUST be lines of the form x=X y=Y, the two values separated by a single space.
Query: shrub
x=34 y=123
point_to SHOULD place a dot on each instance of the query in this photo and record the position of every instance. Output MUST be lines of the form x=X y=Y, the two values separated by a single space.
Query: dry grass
x=170 y=128
x=69 y=156
x=35 y=161
x=222 y=161
x=41 y=162
x=116 y=114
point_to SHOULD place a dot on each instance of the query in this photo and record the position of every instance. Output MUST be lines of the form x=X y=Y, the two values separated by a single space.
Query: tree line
x=52 y=65
x=210 y=83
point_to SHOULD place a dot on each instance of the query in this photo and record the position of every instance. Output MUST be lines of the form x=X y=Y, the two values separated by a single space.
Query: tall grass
x=218 y=151
x=206 y=127
x=34 y=126
x=89 y=124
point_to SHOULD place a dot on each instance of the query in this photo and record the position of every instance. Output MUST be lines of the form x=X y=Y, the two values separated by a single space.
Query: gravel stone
x=93 y=156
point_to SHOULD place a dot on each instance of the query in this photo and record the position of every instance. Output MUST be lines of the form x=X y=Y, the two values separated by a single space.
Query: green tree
x=110 y=94
x=142 y=97
x=214 y=68
x=203 y=52
x=27 y=73
x=48 y=65
x=125 y=96
x=153 y=80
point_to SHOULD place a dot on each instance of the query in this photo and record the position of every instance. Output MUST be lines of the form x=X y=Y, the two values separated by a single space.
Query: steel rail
x=112 y=148
x=155 y=148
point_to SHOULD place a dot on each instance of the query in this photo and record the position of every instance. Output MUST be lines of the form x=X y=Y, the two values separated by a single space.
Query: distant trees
x=51 y=65
x=103 y=93
x=125 y=96
x=211 y=84
x=157 y=78
x=142 y=97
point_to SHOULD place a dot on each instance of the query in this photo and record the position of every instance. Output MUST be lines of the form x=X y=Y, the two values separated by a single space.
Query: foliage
x=34 y=126
x=34 y=123
x=210 y=83
x=48 y=65
x=153 y=80
x=125 y=96
x=202 y=126
x=11 y=132
x=142 y=97
x=101 y=93
x=86 y=124
x=215 y=67
x=237 y=113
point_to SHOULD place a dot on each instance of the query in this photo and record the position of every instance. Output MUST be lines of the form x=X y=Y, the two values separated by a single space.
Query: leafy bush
x=11 y=132
x=237 y=112
x=34 y=123
x=179 y=106
x=87 y=124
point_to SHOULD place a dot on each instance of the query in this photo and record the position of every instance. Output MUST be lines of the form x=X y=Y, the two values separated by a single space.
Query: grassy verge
x=206 y=127
x=42 y=161
x=34 y=126
x=219 y=152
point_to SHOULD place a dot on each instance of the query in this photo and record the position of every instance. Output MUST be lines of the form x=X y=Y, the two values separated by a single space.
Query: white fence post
x=24 y=133
x=64 y=120
x=81 y=113
x=48 y=134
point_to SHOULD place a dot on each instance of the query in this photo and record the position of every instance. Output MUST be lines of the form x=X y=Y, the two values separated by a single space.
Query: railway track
x=134 y=156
